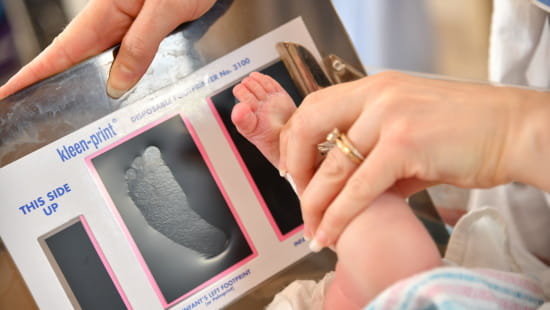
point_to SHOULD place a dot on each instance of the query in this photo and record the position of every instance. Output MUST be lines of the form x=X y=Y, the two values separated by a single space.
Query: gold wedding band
x=335 y=137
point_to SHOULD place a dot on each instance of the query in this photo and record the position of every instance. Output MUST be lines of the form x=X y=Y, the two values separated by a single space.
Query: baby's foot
x=263 y=109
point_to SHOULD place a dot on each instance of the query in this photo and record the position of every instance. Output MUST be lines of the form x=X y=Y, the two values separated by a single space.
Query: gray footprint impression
x=164 y=204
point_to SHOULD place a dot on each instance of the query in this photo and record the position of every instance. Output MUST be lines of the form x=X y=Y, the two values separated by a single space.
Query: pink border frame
x=259 y=196
x=127 y=234
x=104 y=261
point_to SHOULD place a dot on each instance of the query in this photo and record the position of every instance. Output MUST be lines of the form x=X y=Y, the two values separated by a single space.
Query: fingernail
x=114 y=93
x=315 y=246
x=282 y=173
x=319 y=241
x=120 y=80
x=307 y=233
x=288 y=177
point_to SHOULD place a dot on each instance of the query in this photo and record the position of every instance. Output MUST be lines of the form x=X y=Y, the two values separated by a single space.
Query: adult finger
x=137 y=50
x=335 y=173
x=360 y=190
x=410 y=186
x=100 y=25
x=320 y=112
x=392 y=162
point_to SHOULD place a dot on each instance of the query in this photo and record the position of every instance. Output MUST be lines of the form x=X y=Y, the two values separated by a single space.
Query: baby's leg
x=382 y=245
x=263 y=109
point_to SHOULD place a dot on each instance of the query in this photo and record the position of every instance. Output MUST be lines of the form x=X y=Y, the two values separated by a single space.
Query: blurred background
x=442 y=37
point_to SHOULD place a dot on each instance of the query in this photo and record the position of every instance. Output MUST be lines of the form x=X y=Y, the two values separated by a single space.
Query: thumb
x=140 y=44
x=137 y=50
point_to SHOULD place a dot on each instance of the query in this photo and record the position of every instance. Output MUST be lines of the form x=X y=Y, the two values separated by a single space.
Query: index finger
x=98 y=27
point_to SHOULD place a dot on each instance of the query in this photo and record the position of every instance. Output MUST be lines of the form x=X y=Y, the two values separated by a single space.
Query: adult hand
x=413 y=132
x=140 y=26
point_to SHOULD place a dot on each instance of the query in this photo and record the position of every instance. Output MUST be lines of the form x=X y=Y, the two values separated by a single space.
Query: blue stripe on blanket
x=471 y=279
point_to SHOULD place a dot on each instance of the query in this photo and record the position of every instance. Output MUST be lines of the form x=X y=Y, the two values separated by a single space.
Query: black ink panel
x=277 y=195
x=82 y=271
